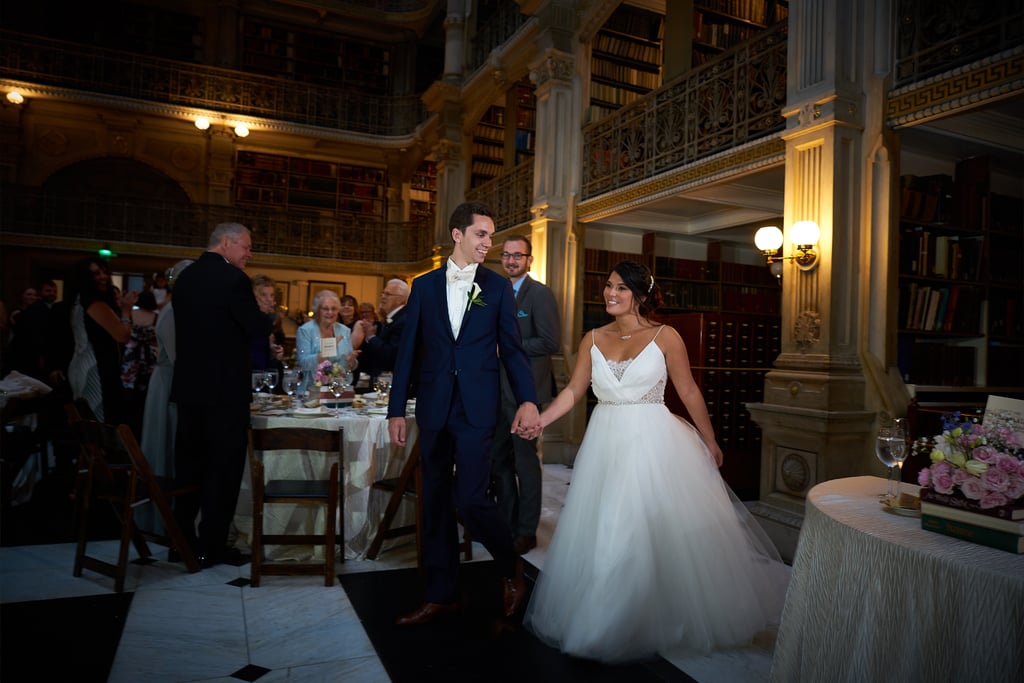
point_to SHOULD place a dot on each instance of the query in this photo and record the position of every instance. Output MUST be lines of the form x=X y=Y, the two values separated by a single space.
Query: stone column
x=814 y=418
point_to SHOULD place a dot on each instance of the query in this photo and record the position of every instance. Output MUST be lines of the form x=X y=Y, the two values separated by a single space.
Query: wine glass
x=257 y=385
x=898 y=450
x=337 y=387
x=383 y=386
x=270 y=379
x=290 y=382
x=883 y=451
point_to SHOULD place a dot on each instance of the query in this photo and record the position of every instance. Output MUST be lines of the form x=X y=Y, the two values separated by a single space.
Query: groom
x=460 y=320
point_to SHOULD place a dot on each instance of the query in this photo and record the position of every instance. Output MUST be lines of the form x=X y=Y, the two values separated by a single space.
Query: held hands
x=526 y=423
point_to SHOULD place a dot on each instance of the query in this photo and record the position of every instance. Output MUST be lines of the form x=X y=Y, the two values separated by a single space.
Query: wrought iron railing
x=935 y=36
x=731 y=100
x=494 y=32
x=31 y=213
x=510 y=196
x=46 y=62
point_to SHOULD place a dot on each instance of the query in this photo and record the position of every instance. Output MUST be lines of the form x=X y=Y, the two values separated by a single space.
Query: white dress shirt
x=460 y=281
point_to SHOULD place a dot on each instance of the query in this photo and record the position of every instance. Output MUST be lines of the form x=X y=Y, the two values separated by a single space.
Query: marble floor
x=212 y=626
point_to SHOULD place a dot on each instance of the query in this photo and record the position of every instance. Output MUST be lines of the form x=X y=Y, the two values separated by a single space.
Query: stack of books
x=1001 y=528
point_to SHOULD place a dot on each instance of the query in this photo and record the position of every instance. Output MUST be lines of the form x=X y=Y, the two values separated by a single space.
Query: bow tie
x=461 y=275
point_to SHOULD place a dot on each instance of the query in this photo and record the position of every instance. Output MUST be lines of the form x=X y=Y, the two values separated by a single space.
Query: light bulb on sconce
x=803 y=234
x=15 y=97
x=241 y=130
x=202 y=123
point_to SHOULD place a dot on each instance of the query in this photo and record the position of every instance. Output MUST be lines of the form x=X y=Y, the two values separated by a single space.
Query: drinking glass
x=257 y=385
x=383 y=386
x=884 y=453
x=270 y=379
x=337 y=387
x=290 y=382
x=898 y=450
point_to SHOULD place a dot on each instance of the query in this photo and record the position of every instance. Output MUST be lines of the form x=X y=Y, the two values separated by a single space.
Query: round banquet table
x=874 y=597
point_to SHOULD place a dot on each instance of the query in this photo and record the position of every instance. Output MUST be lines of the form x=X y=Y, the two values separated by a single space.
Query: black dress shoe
x=524 y=544
x=427 y=612
x=514 y=591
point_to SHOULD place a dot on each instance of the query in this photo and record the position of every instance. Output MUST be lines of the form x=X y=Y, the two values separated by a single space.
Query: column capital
x=554 y=68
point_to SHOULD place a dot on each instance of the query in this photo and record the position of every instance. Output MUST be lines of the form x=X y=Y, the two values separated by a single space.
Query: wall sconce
x=202 y=123
x=15 y=97
x=804 y=235
x=240 y=129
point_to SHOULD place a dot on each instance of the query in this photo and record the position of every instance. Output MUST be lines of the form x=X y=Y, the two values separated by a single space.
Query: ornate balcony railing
x=32 y=213
x=98 y=71
x=495 y=32
x=731 y=100
x=510 y=196
x=935 y=36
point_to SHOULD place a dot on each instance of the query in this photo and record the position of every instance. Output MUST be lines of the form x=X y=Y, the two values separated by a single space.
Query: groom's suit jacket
x=432 y=360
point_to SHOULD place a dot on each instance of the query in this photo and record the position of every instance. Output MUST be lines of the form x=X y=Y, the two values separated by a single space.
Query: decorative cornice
x=762 y=153
x=987 y=79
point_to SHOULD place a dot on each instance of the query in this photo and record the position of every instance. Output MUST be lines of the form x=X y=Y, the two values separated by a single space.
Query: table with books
x=874 y=596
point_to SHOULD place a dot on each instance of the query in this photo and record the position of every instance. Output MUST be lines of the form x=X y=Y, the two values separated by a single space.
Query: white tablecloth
x=368 y=456
x=874 y=597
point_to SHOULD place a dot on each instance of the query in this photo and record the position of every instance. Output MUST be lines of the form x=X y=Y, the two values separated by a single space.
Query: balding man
x=380 y=347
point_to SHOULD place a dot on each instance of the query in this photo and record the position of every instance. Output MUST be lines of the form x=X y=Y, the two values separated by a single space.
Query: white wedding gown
x=653 y=553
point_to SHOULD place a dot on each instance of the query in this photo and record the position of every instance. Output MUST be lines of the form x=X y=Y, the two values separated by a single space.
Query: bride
x=653 y=552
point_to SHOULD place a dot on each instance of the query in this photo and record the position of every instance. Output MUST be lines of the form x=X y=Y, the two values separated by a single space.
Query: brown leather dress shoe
x=427 y=613
x=524 y=544
x=514 y=591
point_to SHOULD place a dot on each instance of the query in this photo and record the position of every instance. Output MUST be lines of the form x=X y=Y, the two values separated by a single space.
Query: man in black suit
x=515 y=464
x=216 y=317
x=380 y=347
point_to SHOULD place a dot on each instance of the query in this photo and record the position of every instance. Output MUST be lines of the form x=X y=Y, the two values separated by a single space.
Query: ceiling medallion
x=807 y=329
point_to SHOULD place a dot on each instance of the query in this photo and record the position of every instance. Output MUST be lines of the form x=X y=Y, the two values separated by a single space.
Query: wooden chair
x=405 y=487
x=323 y=492
x=114 y=469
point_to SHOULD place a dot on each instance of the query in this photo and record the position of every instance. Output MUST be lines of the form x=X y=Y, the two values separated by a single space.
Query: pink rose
x=1020 y=468
x=960 y=476
x=994 y=479
x=1015 y=489
x=923 y=478
x=942 y=482
x=993 y=500
x=941 y=468
x=1007 y=463
x=973 y=489
x=985 y=454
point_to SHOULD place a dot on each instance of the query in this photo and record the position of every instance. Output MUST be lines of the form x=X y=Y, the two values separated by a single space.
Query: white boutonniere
x=474 y=296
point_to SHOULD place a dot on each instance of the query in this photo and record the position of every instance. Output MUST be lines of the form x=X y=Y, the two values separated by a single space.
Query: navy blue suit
x=457 y=391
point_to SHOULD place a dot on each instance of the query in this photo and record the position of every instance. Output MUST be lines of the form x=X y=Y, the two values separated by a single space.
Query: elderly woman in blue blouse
x=325 y=337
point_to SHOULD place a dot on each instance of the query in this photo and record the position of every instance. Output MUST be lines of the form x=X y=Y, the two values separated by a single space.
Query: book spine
x=1014 y=512
x=975 y=518
x=1000 y=540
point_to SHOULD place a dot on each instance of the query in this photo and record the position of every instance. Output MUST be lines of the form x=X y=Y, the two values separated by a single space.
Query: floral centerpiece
x=975 y=465
x=326 y=372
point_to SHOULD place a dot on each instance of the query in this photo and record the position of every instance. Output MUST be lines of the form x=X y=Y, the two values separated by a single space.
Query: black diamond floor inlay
x=240 y=582
x=250 y=672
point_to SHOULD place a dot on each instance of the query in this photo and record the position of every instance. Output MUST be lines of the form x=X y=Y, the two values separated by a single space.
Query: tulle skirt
x=653 y=552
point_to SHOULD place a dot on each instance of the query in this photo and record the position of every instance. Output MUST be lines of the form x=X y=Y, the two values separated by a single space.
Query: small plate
x=383 y=410
x=889 y=505
x=310 y=412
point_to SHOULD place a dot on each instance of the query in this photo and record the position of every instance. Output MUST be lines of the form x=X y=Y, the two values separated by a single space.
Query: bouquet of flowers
x=979 y=462
x=327 y=371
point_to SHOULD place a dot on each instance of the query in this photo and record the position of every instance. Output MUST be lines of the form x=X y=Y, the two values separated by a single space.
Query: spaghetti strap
x=593 y=339
x=657 y=333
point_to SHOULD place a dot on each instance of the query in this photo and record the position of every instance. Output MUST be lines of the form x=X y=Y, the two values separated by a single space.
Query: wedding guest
x=215 y=319
x=515 y=462
x=138 y=359
x=349 y=312
x=465 y=316
x=267 y=352
x=160 y=415
x=325 y=338
x=100 y=322
x=380 y=345
x=368 y=313
x=160 y=291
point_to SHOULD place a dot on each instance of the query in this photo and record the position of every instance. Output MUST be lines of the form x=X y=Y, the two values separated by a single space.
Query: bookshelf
x=625 y=59
x=728 y=314
x=960 y=283
x=423 y=193
x=295 y=183
x=721 y=24
x=488 y=156
x=526 y=122
x=316 y=58
x=505 y=136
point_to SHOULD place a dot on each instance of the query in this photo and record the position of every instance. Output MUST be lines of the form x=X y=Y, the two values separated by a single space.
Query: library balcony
x=150 y=227
x=510 y=196
x=35 y=63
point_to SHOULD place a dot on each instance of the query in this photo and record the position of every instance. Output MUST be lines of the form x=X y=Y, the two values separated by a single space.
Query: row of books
x=612 y=95
x=751 y=10
x=623 y=47
x=925 y=253
x=956 y=308
x=933 y=362
x=1001 y=528
x=621 y=72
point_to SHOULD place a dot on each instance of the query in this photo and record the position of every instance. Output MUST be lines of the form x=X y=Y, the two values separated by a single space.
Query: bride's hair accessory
x=650 y=286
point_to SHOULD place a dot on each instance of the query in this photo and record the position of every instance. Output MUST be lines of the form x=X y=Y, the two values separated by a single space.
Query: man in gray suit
x=516 y=470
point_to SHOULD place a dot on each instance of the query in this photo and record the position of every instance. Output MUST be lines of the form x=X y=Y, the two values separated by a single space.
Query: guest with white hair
x=325 y=338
